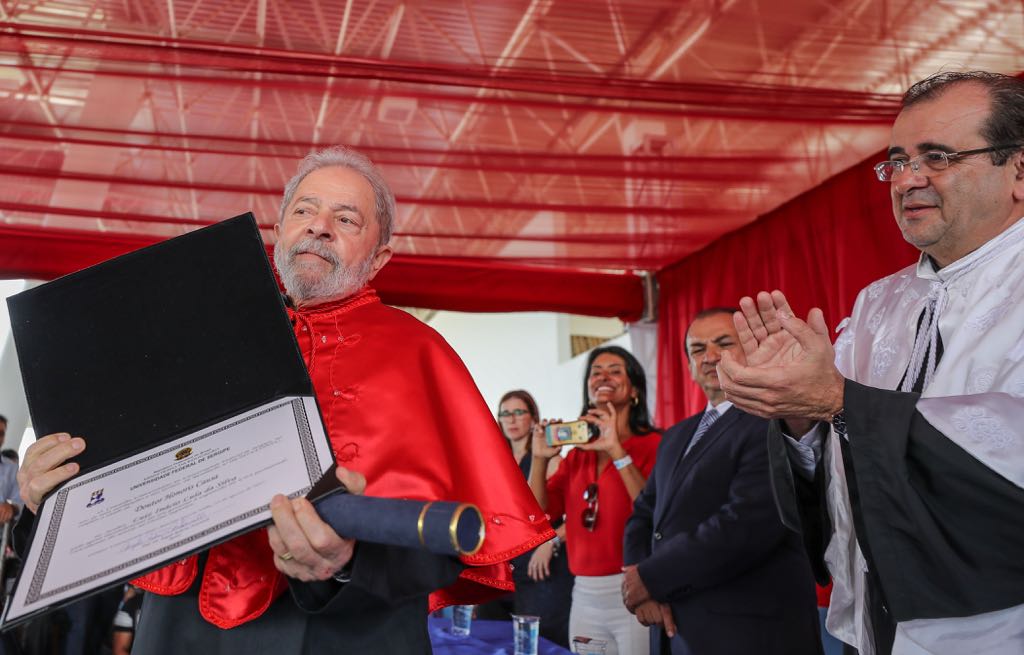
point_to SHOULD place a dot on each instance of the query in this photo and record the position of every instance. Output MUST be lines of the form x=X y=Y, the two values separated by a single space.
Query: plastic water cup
x=525 y=633
x=462 y=620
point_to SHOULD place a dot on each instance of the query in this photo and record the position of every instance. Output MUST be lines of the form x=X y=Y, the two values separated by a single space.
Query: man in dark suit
x=709 y=565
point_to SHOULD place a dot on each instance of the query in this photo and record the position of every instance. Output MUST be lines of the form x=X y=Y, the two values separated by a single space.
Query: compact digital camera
x=571 y=432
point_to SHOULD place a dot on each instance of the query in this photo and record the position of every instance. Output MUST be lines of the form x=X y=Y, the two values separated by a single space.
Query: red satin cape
x=400 y=408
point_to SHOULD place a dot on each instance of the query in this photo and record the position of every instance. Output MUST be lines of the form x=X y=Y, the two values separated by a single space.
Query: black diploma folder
x=157 y=343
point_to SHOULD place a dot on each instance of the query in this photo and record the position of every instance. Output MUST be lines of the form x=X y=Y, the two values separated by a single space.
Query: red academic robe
x=400 y=408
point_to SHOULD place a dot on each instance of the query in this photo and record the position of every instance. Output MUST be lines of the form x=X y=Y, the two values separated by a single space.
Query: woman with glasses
x=543 y=581
x=595 y=487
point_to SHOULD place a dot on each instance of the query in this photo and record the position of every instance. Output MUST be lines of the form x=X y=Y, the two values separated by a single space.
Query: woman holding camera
x=595 y=487
x=543 y=581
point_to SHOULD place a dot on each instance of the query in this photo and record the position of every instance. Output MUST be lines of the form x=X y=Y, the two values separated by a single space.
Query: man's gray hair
x=344 y=157
x=1005 y=123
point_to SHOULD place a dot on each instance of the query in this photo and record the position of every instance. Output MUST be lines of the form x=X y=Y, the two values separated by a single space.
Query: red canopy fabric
x=821 y=249
x=461 y=286
x=435 y=283
x=561 y=135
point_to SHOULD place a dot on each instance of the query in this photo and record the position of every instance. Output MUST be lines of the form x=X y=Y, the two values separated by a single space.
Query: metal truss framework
x=589 y=134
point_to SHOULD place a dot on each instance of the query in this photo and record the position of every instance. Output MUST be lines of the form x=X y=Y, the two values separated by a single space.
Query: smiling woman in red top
x=595 y=487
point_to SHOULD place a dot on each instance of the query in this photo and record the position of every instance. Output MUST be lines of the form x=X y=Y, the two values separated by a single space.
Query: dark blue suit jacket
x=707 y=539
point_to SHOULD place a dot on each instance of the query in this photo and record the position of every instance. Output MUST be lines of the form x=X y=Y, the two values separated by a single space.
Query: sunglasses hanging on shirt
x=590 y=512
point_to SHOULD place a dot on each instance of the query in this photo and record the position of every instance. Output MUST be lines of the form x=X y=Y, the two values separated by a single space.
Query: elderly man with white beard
x=395 y=399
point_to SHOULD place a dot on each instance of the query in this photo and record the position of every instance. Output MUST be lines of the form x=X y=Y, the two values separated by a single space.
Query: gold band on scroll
x=419 y=523
x=453 y=532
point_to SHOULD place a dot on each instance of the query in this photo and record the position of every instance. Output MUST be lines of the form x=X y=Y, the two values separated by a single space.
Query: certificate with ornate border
x=117 y=522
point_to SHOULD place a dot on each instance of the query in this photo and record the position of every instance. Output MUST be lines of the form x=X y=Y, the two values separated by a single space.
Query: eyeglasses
x=505 y=413
x=933 y=161
x=590 y=512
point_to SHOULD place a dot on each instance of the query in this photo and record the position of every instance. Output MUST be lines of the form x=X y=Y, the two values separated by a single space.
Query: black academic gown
x=383 y=609
x=940 y=531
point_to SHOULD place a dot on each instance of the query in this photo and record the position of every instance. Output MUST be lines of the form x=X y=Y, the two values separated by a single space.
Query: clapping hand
x=789 y=371
x=759 y=327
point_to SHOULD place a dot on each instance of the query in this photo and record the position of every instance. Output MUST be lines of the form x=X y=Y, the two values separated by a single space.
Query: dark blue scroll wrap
x=441 y=527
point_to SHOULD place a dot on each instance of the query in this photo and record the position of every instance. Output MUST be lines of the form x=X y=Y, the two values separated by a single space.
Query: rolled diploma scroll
x=441 y=527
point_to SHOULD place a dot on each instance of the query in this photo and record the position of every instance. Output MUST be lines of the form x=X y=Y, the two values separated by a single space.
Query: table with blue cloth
x=485 y=638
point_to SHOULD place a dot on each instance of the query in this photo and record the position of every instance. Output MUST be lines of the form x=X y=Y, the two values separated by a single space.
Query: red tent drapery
x=820 y=248
x=437 y=283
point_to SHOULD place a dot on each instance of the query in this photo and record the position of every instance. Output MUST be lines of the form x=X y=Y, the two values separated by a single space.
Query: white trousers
x=597 y=612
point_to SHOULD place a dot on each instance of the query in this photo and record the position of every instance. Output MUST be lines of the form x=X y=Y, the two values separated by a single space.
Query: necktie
x=706 y=422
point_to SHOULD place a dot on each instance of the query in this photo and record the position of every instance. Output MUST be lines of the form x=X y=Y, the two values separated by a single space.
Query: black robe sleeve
x=636 y=538
x=801 y=502
x=381 y=576
x=382 y=609
x=943 y=530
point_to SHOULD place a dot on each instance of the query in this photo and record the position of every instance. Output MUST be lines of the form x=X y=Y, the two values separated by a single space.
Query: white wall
x=12 y=394
x=520 y=351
